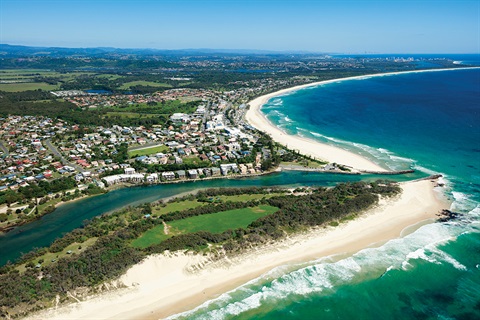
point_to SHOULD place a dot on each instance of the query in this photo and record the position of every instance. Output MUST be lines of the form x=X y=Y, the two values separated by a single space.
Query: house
x=193 y=174
x=129 y=170
x=168 y=175
x=207 y=172
x=86 y=174
x=153 y=177
x=230 y=167
x=180 y=174
x=180 y=117
x=243 y=169
x=215 y=172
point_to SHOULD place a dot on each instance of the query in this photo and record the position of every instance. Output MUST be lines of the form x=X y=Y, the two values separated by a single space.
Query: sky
x=356 y=26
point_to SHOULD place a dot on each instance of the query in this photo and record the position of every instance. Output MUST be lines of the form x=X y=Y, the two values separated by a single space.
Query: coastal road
x=64 y=161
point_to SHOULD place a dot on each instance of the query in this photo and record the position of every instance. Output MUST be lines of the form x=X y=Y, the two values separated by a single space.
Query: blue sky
x=402 y=26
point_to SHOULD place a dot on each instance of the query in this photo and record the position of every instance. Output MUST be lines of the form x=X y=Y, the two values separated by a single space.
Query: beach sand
x=167 y=284
x=311 y=147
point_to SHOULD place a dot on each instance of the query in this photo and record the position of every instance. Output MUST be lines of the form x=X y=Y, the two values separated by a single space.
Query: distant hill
x=7 y=50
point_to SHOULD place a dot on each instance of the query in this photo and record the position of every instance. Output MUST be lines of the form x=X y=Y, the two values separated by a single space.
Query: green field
x=191 y=160
x=127 y=85
x=109 y=76
x=130 y=114
x=24 y=86
x=147 y=151
x=177 y=206
x=32 y=73
x=166 y=108
x=190 y=204
x=306 y=164
x=214 y=223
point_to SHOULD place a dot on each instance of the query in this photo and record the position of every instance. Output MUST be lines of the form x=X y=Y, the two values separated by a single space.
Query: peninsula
x=169 y=283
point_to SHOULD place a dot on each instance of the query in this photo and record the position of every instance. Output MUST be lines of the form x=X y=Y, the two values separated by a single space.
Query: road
x=4 y=149
x=64 y=161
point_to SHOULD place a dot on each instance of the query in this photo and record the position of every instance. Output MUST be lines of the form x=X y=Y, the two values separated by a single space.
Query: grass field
x=49 y=256
x=191 y=160
x=190 y=204
x=19 y=70
x=177 y=206
x=109 y=76
x=24 y=86
x=147 y=151
x=131 y=114
x=32 y=73
x=305 y=164
x=214 y=223
x=127 y=85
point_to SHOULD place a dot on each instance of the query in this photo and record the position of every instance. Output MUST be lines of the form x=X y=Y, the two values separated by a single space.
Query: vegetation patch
x=148 y=151
x=51 y=257
x=129 y=115
x=177 y=206
x=128 y=85
x=24 y=86
x=215 y=223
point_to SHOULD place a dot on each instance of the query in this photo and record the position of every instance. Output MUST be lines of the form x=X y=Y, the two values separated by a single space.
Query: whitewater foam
x=324 y=275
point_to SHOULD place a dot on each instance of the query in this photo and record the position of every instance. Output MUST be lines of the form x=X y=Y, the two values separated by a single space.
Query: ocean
x=427 y=121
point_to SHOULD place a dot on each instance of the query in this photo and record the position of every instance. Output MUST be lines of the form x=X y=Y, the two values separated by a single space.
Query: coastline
x=163 y=285
x=314 y=148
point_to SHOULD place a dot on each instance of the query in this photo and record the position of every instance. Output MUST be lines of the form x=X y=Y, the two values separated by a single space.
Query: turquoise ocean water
x=427 y=121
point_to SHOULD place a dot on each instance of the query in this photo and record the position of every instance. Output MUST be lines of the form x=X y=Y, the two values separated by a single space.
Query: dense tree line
x=67 y=64
x=37 y=190
x=212 y=192
x=208 y=209
x=166 y=107
x=108 y=258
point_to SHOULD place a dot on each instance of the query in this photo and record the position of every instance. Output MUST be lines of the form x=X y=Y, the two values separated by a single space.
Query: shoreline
x=167 y=284
x=9 y=228
x=314 y=148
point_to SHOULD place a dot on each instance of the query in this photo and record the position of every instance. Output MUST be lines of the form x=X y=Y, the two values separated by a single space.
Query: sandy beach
x=167 y=284
x=311 y=147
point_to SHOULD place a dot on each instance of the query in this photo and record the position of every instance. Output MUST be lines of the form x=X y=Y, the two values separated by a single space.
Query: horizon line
x=233 y=50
